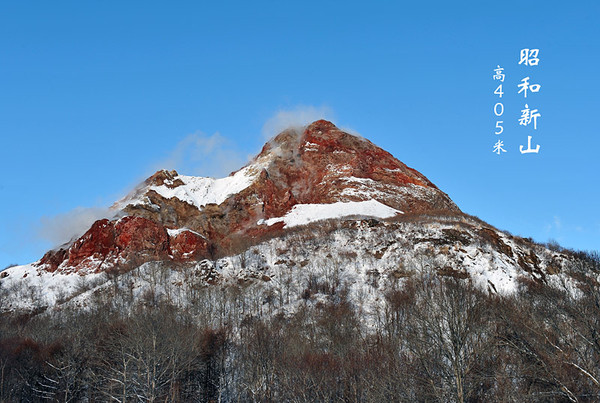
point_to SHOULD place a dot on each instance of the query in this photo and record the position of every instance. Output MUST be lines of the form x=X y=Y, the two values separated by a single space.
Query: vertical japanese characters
x=499 y=109
x=529 y=58
x=527 y=87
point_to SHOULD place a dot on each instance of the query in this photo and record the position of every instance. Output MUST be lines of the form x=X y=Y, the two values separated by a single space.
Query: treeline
x=435 y=339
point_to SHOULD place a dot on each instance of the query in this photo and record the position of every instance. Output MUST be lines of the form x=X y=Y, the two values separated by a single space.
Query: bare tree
x=447 y=338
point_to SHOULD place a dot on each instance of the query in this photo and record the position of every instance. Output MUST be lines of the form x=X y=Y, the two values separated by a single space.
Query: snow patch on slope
x=199 y=191
x=174 y=232
x=302 y=214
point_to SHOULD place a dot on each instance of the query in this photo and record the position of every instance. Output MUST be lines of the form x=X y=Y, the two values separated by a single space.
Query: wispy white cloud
x=61 y=228
x=557 y=223
x=296 y=117
x=553 y=227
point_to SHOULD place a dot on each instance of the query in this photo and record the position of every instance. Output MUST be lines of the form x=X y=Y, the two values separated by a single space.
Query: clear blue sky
x=96 y=95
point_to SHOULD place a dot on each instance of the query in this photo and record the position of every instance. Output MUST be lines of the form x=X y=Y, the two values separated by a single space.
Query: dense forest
x=438 y=339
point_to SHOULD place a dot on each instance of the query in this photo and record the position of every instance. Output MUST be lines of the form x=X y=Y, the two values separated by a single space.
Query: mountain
x=298 y=177
x=312 y=198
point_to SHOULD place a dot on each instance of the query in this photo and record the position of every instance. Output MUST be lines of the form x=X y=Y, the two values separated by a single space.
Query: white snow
x=32 y=287
x=308 y=146
x=366 y=181
x=200 y=191
x=174 y=232
x=302 y=214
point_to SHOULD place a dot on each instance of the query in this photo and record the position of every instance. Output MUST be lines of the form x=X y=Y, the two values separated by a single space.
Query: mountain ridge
x=299 y=172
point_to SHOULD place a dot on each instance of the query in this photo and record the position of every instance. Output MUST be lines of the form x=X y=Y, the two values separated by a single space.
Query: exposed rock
x=494 y=239
x=189 y=245
x=137 y=235
x=126 y=242
x=164 y=177
x=452 y=272
x=531 y=264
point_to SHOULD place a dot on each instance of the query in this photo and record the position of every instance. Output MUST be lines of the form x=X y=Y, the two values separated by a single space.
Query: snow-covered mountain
x=315 y=206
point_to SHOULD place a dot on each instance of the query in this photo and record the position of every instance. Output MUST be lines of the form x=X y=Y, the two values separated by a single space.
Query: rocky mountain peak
x=320 y=137
x=302 y=175
x=164 y=177
x=323 y=164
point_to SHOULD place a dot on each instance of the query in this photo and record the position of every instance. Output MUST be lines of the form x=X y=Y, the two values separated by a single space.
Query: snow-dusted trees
x=436 y=339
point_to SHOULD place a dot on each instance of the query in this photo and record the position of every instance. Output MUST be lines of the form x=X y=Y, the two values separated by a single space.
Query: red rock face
x=325 y=165
x=124 y=243
x=320 y=164
x=140 y=234
x=188 y=245
x=98 y=242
